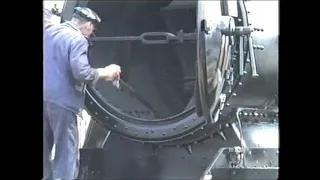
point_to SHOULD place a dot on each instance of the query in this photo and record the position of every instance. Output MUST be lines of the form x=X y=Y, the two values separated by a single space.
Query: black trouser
x=60 y=128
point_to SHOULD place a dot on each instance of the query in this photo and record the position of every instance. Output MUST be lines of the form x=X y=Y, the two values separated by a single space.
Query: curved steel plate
x=211 y=50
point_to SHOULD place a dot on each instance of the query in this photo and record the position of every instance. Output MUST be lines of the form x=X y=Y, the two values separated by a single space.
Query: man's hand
x=110 y=73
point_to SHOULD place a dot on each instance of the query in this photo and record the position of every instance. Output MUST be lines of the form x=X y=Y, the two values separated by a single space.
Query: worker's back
x=60 y=87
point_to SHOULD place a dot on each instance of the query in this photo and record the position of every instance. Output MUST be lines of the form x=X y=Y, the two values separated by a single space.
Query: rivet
x=177 y=146
x=227 y=125
x=228 y=104
x=152 y=131
x=255 y=114
x=96 y=113
x=245 y=113
x=91 y=103
x=233 y=172
x=135 y=133
x=244 y=72
x=186 y=127
x=196 y=142
x=107 y=117
x=249 y=153
x=270 y=163
x=248 y=60
x=194 y=118
x=239 y=20
x=115 y=126
x=164 y=133
x=174 y=127
x=234 y=94
x=201 y=128
x=240 y=83
x=126 y=127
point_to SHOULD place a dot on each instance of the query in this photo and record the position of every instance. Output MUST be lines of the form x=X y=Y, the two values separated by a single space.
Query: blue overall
x=66 y=70
x=47 y=14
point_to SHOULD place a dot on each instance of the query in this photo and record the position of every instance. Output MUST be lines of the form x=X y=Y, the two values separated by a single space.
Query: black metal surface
x=245 y=174
x=143 y=130
x=254 y=134
x=259 y=163
x=110 y=107
x=124 y=85
x=122 y=159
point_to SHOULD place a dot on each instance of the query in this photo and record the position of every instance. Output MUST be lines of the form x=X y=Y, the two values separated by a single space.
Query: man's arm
x=80 y=66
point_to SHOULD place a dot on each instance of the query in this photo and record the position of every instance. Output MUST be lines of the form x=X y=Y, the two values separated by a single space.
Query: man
x=66 y=70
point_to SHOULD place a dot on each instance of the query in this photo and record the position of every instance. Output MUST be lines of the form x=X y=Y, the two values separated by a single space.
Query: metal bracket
x=235 y=157
x=152 y=37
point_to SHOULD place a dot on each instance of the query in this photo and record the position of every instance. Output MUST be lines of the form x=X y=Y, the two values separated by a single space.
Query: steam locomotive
x=198 y=97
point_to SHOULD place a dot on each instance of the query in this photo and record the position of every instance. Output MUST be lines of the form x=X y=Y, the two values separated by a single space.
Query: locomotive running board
x=256 y=164
x=122 y=159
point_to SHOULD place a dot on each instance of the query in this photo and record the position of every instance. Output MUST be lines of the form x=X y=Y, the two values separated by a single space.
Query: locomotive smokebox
x=204 y=76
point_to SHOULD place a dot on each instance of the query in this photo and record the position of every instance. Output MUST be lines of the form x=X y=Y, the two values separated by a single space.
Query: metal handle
x=241 y=62
x=253 y=60
x=167 y=37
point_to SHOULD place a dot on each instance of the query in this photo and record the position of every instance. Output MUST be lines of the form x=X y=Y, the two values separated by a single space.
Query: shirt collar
x=73 y=26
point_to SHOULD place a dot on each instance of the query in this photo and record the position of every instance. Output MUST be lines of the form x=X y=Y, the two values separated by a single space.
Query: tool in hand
x=120 y=84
